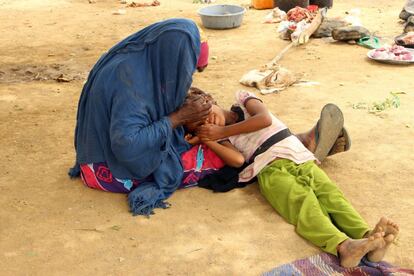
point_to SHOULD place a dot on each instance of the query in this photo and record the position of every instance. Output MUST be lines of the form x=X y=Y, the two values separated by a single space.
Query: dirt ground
x=51 y=225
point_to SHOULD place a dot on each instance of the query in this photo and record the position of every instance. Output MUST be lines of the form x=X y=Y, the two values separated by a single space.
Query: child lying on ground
x=292 y=183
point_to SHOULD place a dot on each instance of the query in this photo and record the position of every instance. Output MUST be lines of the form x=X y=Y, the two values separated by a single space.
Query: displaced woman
x=131 y=110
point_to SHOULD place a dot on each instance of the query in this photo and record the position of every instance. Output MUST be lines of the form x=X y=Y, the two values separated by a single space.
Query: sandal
x=327 y=130
x=370 y=42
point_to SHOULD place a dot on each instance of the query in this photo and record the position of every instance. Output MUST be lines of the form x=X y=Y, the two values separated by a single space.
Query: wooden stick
x=276 y=59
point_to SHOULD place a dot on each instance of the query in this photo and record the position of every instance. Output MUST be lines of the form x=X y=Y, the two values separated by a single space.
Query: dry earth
x=51 y=225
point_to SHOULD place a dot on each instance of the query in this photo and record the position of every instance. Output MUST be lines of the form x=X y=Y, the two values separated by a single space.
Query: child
x=292 y=183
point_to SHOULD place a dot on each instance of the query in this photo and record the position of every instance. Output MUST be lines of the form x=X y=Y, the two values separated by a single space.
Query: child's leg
x=290 y=193
x=332 y=200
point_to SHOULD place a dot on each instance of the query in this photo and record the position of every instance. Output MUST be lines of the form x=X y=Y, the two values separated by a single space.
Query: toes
x=378 y=235
x=384 y=220
x=389 y=238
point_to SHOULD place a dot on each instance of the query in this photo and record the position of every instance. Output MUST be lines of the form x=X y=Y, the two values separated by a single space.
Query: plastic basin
x=221 y=16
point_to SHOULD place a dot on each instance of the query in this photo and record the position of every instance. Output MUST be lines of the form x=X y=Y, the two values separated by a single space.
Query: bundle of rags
x=269 y=80
x=274 y=78
x=325 y=264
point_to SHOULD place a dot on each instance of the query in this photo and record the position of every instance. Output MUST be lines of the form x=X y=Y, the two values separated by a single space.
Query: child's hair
x=194 y=91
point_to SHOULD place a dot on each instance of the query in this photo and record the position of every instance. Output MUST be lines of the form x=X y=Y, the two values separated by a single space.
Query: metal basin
x=222 y=16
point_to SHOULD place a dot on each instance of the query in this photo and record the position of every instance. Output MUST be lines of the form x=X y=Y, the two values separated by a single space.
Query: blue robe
x=122 y=112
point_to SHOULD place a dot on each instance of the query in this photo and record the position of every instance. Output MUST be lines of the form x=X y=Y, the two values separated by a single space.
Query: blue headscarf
x=122 y=113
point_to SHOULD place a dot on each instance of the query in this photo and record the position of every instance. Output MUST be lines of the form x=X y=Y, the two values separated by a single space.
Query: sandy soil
x=51 y=225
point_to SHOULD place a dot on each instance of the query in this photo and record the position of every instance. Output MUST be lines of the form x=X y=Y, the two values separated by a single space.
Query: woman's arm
x=227 y=152
x=260 y=118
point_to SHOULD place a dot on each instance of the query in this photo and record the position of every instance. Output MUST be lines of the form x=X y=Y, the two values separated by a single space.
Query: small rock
x=214 y=58
x=327 y=26
x=132 y=238
x=404 y=15
x=121 y=259
x=409 y=26
x=350 y=33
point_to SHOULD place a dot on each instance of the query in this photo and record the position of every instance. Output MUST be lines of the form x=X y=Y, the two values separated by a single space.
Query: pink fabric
x=203 y=58
x=195 y=167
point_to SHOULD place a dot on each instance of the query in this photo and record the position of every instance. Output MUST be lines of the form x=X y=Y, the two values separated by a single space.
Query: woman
x=131 y=112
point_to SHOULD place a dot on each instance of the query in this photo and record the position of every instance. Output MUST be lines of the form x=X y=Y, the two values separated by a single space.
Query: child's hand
x=210 y=132
x=192 y=140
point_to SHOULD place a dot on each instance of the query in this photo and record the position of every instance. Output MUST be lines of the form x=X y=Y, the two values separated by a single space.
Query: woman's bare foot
x=391 y=230
x=351 y=251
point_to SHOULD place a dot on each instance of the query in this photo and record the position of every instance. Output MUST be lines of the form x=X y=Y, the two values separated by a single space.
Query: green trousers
x=306 y=197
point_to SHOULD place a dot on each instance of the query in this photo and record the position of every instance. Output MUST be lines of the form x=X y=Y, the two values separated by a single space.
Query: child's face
x=216 y=117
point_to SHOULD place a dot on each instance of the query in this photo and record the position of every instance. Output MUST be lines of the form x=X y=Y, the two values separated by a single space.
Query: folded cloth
x=270 y=80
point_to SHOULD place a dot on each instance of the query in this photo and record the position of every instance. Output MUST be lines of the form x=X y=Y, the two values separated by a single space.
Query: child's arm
x=227 y=152
x=260 y=118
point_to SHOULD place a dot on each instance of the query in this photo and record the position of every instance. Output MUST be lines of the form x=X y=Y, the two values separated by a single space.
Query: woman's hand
x=210 y=132
x=194 y=110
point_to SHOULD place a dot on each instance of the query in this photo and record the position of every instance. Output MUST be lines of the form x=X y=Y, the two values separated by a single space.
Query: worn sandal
x=370 y=42
x=327 y=130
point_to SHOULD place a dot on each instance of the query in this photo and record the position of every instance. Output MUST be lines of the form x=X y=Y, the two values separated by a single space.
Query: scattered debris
x=195 y=250
x=62 y=78
x=116 y=227
x=203 y=1
x=42 y=72
x=305 y=83
x=119 y=12
x=276 y=16
x=90 y=229
x=154 y=3
x=391 y=102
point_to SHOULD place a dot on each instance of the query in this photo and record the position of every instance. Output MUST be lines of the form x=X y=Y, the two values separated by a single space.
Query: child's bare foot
x=391 y=230
x=351 y=251
x=308 y=139
x=339 y=146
